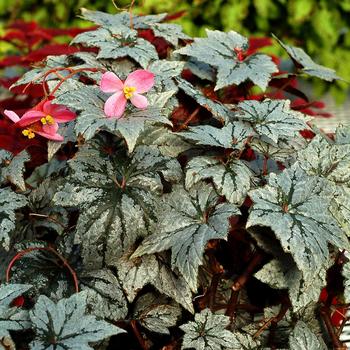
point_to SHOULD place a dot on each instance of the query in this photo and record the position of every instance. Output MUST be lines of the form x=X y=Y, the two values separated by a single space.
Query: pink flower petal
x=54 y=137
x=115 y=105
x=141 y=79
x=110 y=82
x=139 y=101
x=12 y=115
x=50 y=129
x=30 y=117
x=60 y=113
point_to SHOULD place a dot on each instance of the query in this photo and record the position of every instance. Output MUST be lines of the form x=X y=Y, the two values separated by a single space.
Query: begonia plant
x=186 y=199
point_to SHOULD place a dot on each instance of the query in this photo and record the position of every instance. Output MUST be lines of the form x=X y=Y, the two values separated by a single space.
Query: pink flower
x=135 y=84
x=43 y=120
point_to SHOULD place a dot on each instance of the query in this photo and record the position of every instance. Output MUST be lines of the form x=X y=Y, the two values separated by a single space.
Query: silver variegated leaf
x=346 y=275
x=218 y=109
x=12 y=318
x=200 y=69
x=122 y=19
x=89 y=101
x=156 y=313
x=342 y=135
x=118 y=42
x=44 y=213
x=167 y=142
x=231 y=179
x=37 y=74
x=208 y=332
x=309 y=67
x=104 y=296
x=286 y=275
x=294 y=206
x=9 y=203
x=68 y=324
x=303 y=338
x=218 y=50
x=164 y=73
x=136 y=273
x=273 y=120
x=13 y=167
x=331 y=161
x=187 y=220
x=170 y=32
x=116 y=196
x=284 y=151
x=233 y=135
x=326 y=160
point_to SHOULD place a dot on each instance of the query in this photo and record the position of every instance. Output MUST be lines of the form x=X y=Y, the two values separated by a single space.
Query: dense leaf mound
x=212 y=219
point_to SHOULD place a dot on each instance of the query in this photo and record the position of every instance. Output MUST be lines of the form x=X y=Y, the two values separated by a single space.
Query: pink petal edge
x=30 y=117
x=55 y=137
x=115 y=105
x=110 y=83
x=141 y=79
x=12 y=115
x=139 y=101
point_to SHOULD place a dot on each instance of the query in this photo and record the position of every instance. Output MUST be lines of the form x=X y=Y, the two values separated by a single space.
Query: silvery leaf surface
x=187 y=220
x=117 y=195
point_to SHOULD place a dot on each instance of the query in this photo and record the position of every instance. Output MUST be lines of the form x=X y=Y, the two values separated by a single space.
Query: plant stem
x=243 y=278
x=138 y=335
x=337 y=344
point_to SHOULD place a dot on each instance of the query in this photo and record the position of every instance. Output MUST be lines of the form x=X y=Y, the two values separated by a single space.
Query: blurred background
x=321 y=27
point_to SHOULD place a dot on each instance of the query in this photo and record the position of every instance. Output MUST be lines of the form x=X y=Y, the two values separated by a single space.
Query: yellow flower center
x=129 y=91
x=29 y=133
x=47 y=120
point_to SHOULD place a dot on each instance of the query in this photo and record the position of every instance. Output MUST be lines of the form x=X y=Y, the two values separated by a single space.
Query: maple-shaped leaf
x=66 y=325
x=231 y=179
x=136 y=273
x=208 y=331
x=218 y=109
x=331 y=161
x=273 y=120
x=116 y=195
x=12 y=318
x=295 y=207
x=104 y=295
x=233 y=135
x=118 y=42
x=303 y=338
x=170 y=32
x=220 y=51
x=156 y=313
x=327 y=160
x=89 y=101
x=303 y=61
x=187 y=220
x=9 y=203
x=13 y=168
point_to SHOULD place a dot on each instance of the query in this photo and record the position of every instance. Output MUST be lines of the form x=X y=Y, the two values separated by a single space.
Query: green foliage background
x=319 y=26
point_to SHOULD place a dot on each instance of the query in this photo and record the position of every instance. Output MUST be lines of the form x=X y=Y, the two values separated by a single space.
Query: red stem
x=26 y=251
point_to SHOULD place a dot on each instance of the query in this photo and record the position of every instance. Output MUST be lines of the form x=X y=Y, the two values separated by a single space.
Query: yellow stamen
x=29 y=133
x=129 y=91
x=47 y=120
